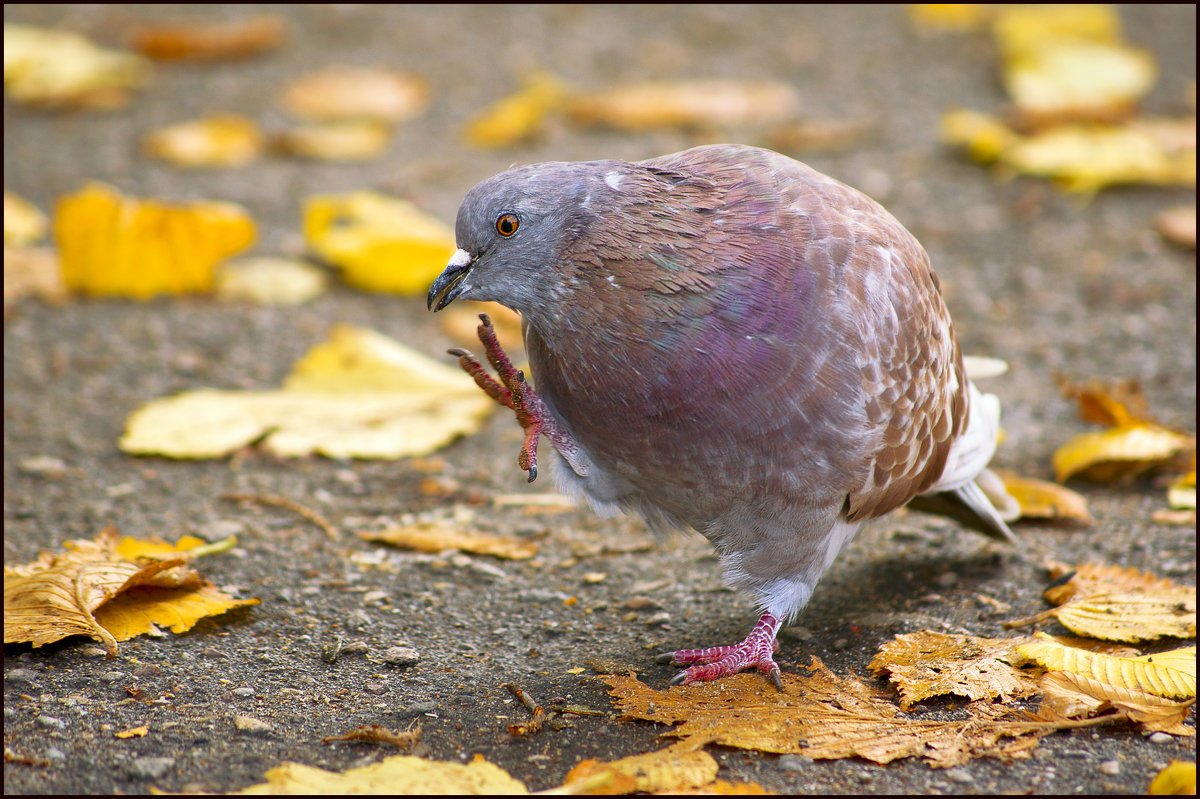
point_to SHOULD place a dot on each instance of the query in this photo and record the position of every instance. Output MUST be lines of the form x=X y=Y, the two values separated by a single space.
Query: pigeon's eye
x=507 y=224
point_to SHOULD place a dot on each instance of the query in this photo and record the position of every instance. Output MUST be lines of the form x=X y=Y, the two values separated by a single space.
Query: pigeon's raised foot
x=510 y=390
x=719 y=661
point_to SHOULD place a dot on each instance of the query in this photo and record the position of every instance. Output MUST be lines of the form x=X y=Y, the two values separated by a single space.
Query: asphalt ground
x=1053 y=284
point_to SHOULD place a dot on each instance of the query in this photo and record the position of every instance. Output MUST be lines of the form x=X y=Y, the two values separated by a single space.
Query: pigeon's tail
x=982 y=505
x=968 y=491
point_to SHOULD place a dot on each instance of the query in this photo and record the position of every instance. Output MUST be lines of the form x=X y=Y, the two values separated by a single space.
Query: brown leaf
x=1074 y=695
x=197 y=40
x=1040 y=499
x=665 y=771
x=1100 y=578
x=341 y=93
x=1112 y=404
x=824 y=716
x=373 y=733
x=926 y=664
x=224 y=140
x=686 y=104
x=435 y=537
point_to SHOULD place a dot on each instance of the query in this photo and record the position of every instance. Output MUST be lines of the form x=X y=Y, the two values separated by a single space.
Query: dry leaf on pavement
x=686 y=104
x=358 y=395
x=269 y=280
x=399 y=775
x=437 y=537
x=380 y=243
x=825 y=716
x=926 y=664
x=1100 y=578
x=24 y=224
x=338 y=140
x=111 y=589
x=1177 y=779
x=113 y=245
x=59 y=69
x=224 y=140
x=1167 y=674
x=664 y=771
x=1040 y=499
x=198 y=40
x=1071 y=695
x=345 y=93
x=519 y=117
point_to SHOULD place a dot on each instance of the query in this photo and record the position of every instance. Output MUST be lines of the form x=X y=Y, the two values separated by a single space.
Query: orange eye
x=507 y=224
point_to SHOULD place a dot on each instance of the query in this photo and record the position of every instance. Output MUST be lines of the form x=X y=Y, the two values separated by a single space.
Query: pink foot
x=719 y=661
x=510 y=391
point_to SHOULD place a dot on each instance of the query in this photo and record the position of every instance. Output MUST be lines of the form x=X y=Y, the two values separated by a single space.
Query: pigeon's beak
x=449 y=283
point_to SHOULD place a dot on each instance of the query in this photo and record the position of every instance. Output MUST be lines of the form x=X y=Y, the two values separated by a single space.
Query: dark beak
x=447 y=286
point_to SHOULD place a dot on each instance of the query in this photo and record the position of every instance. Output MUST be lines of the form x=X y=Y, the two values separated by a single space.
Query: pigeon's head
x=511 y=231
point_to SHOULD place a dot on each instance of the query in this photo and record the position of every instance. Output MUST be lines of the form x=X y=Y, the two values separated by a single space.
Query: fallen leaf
x=24 y=224
x=665 y=771
x=32 y=271
x=1071 y=695
x=199 y=40
x=94 y=589
x=437 y=537
x=1183 y=518
x=1040 y=499
x=338 y=140
x=1105 y=456
x=1132 y=616
x=949 y=16
x=1070 y=61
x=113 y=245
x=1178 y=225
x=926 y=664
x=358 y=395
x=269 y=281
x=134 y=732
x=460 y=322
x=824 y=716
x=340 y=93
x=518 y=117
x=373 y=733
x=1099 y=578
x=380 y=243
x=1167 y=674
x=397 y=775
x=1177 y=779
x=1113 y=404
x=686 y=104
x=1181 y=494
x=225 y=140
x=59 y=69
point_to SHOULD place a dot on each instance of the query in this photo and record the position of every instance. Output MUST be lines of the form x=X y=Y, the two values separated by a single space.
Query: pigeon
x=726 y=340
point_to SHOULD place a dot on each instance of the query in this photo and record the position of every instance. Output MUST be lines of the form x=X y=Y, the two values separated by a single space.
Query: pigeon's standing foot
x=511 y=391
x=719 y=661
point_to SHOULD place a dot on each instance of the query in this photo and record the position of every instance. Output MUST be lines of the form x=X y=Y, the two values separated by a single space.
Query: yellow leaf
x=1181 y=494
x=460 y=322
x=1171 y=675
x=665 y=771
x=686 y=104
x=1097 y=578
x=520 y=116
x=24 y=224
x=435 y=537
x=114 y=245
x=223 y=140
x=380 y=243
x=1072 y=695
x=269 y=281
x=986 y=137
x=949 y=16
x=1113 y=404
x=397 y=775
x=1070 y=61
x=141 y=610
x=60 y=69
x=32 y=270
x=356 y=93
x=1132 y=617
x=926 y=664
x=1108 y=455
x=339 y=140
x=1040 y=499
x=1177 y=779
x=197 y=40
x=59 y=595
x=134 y=732
x=359 y=395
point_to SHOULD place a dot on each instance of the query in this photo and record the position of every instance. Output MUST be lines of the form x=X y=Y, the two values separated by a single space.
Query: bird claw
x=510 y=390
x=720 y=661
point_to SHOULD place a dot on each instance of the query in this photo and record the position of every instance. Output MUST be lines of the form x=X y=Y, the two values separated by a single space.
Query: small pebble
x=21 y=675
x=92 y=652
x=219 y=529
x=402 y=656
x=658 y=619
x=947 y=580
x=51 y=723
x=641 y=603
x=112 y=676
x=54 y=753
x=151 y=768
x=794 y=762
x=839 y=644
x=376 y=688
x=374 y=597
x=251 y=725
x=1161 y=738
x=1110 y=768
x=959 y=775
x=355 y=648
x=243 y=692
x=796 y=633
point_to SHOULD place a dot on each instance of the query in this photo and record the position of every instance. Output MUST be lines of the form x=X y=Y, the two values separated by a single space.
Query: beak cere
x=448 y=284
